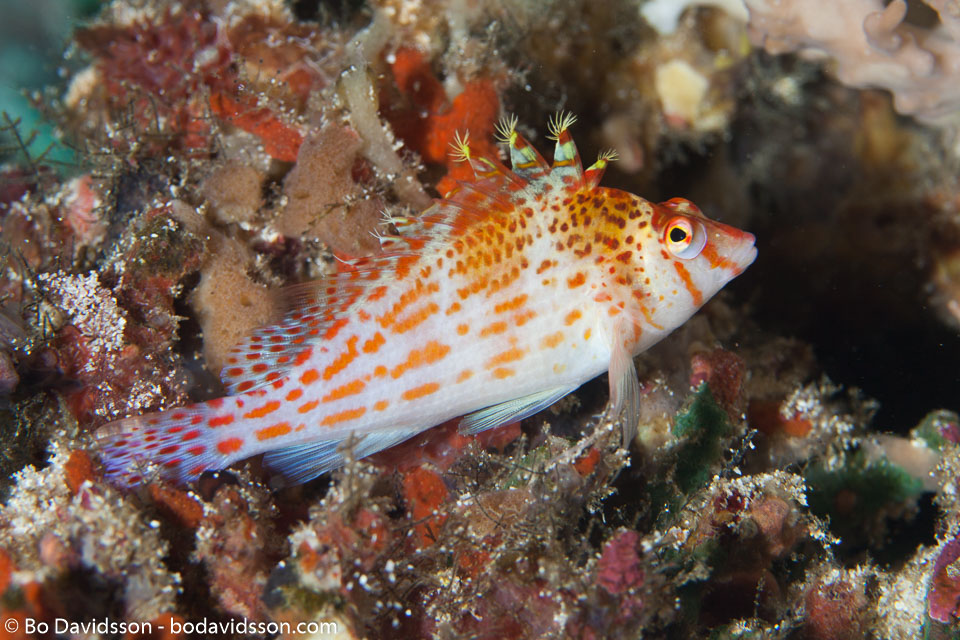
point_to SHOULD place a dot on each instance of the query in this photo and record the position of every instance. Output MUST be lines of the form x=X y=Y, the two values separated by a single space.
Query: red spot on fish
x=220 y=421
x=230 y=445
x=373 y=344
x=576 y=280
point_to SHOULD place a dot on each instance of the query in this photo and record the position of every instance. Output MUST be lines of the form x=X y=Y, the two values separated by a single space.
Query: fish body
x=492 y=304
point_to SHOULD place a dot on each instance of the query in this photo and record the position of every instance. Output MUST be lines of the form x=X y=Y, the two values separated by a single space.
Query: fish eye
x=684 y=238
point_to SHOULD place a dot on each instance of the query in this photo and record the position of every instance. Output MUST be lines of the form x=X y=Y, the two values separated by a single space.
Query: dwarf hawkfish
x=494 y=303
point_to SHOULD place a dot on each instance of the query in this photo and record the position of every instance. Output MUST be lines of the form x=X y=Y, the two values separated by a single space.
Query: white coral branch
x=872 y=46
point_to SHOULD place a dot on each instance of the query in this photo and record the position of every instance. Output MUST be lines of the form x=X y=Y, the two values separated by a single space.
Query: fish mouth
x=746 y=254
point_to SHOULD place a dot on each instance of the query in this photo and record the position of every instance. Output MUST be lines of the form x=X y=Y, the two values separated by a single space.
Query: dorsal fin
x=566 y=159
x=525 y=159
x=593 y=175
x=322 y=307
x=315 y=312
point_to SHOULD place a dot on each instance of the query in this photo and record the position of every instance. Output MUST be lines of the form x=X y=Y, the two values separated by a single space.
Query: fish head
x=685 y=258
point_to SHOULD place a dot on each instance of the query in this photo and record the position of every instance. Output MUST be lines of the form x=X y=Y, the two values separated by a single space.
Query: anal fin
x=304 y=462
x=511 y=410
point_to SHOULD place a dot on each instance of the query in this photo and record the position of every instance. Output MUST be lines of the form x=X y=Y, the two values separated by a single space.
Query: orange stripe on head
x=715 y=259
x=274 y=431
x=688 y=283
x=421 y=391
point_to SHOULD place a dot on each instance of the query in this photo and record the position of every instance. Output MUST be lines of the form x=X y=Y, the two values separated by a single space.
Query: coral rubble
x=795 y=469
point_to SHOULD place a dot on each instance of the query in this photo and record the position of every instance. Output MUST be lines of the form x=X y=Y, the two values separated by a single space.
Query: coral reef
x=795 y=469
x=873 y=45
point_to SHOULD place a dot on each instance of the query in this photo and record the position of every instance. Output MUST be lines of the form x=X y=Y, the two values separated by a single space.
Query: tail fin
x=177 y=445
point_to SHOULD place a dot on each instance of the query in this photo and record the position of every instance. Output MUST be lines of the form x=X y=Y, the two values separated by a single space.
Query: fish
x=498 y=300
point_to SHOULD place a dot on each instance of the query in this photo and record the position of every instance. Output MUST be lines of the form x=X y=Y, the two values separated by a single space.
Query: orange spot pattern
x=351 y=388
x=220 y=421
x=552 y=341
x=416 y=318
x=343 y=416
x=432 y=352
x=421 y=391
x=307 y=407
x=266 y=409
x=493 y=329
x=510 y=355
x=274 y=431
x=373 y=344
x=230 y=445
x=510 y=305
x=343 y=359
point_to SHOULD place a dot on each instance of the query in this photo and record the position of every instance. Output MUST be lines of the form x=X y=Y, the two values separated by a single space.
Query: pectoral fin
x=624 y=391
x=511 y=411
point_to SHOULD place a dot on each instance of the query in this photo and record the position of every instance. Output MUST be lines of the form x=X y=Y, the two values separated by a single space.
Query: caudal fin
x=175 y=445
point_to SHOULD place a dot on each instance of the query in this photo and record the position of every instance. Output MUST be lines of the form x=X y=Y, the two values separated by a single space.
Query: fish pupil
x=677 y=235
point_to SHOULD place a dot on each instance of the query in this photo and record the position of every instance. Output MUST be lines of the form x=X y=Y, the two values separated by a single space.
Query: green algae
x=704 y=426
